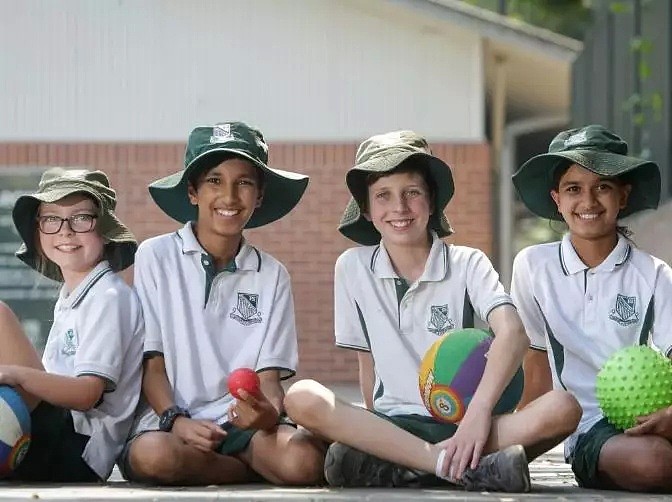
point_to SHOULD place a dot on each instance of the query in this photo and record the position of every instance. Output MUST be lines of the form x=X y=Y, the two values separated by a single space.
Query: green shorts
x=426 y=428
x=586 y=454
x=55 y=452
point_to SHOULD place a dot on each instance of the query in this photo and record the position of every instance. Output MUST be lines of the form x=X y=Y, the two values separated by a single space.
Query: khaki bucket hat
x=384 y=153
x=57 y=183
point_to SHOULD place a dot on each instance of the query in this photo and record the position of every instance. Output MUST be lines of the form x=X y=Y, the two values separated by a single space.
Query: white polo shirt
x=581 y=316
x=98 y=330
x=378 y=312
x=207 y=324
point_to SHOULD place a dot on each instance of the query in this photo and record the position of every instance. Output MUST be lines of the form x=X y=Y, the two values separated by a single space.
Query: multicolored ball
x=635 y=381
x=14 y=429
x=451 y=370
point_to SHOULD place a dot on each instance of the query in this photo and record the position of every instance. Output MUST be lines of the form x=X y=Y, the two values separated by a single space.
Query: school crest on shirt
x=439 y=320
x=246 y=311
x=70 y=343
x=625 y=310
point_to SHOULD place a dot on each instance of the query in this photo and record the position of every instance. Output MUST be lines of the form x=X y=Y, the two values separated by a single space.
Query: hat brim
x=357 y=228
x=282 y=189
x=534 y=180
x=120 y=243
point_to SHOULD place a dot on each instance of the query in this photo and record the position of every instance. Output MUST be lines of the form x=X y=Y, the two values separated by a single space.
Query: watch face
x=167 y=419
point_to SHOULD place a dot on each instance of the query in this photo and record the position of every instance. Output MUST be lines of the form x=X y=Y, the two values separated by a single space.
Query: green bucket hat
x=384 y=153
x=601 y=152
x=207 y=147
x=57 y=183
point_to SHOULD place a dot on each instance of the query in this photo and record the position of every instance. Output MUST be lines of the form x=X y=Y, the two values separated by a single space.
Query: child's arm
x=74 y=393
x=202 y=434
x=155 y=384
x=538 y=380
x=270 y=386
x=366 y=378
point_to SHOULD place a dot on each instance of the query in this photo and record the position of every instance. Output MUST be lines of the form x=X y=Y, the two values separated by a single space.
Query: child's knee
x=557 y=416
x=652 y=469
x=305 y=401
x=567 y=410
x=152 y=459
x=302 y=464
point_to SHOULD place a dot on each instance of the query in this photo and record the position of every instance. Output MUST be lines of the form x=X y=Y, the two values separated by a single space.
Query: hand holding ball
x=244 y=379
x=635 y=381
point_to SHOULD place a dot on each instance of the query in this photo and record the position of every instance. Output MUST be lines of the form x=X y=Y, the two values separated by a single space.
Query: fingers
x=447 y=469
x=248 y=398
x=640 y=429
x=478 y=451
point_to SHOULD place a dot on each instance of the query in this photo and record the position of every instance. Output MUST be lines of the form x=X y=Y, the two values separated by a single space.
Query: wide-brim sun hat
x=56 y=184
x=384 y=153
x=598 y=150
x=207 y=147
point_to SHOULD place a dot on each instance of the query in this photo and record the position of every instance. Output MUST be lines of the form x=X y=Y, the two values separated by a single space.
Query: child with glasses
x=83 y=392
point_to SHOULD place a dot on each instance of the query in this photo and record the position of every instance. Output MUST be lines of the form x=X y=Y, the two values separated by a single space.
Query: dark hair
x=413 y=165
x=197 y=175
x=563 y=166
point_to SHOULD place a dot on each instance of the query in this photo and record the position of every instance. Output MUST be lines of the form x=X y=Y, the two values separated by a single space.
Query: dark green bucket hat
x=384 y=153
x=601 y=152
x=207 y=147
x=57 y=183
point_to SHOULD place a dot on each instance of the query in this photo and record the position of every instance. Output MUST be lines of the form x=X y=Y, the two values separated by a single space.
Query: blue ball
x=14 y=429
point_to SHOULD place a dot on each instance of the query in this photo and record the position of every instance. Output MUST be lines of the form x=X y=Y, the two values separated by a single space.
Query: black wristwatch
x=168 y=417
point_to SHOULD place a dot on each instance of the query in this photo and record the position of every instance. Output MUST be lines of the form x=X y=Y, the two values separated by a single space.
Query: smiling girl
x=585 y=297
x=83 y=392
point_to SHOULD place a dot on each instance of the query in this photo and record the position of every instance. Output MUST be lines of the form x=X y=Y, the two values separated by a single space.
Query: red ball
x=245 y=379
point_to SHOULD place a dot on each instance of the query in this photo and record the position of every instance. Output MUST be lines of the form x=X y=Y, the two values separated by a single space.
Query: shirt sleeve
x=349 y=324
x=109 y=322
x=661 y=334
x=523 y=298
x=279 y=350
x=144 y=282
x=483 y=287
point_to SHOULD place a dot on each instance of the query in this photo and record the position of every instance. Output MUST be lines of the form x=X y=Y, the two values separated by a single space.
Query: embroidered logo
x=69 y=343
x=625 y=311
x=439 y=322
x=221 y=133
x=575 y=139
x=246 y=312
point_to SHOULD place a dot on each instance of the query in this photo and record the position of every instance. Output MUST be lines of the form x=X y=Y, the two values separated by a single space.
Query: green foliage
x=567 y=17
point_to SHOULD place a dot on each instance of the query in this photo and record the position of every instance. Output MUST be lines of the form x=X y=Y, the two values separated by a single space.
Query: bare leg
x=17 y=349
x=164 y=459
x=541 y=425
x=546 y=421
x=636 y=463
x=286 y=456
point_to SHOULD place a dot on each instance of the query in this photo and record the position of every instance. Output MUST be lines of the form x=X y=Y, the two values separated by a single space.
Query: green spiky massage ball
x=634 y=381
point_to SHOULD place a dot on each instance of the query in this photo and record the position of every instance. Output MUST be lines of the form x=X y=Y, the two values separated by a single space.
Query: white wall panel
x=147 y=70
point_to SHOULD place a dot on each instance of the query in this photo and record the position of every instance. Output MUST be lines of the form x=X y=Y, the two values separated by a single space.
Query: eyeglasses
x=79 y=223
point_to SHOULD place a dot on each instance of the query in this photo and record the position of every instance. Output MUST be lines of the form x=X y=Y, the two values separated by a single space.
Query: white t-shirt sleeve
x=104 y=334
x=347 y=314
x=523 y=298
x=279 y=350
x=483 y=287
x=662 y=310
x=144 y=282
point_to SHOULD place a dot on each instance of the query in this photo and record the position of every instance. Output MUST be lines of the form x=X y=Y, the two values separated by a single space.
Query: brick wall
x=306 y=241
